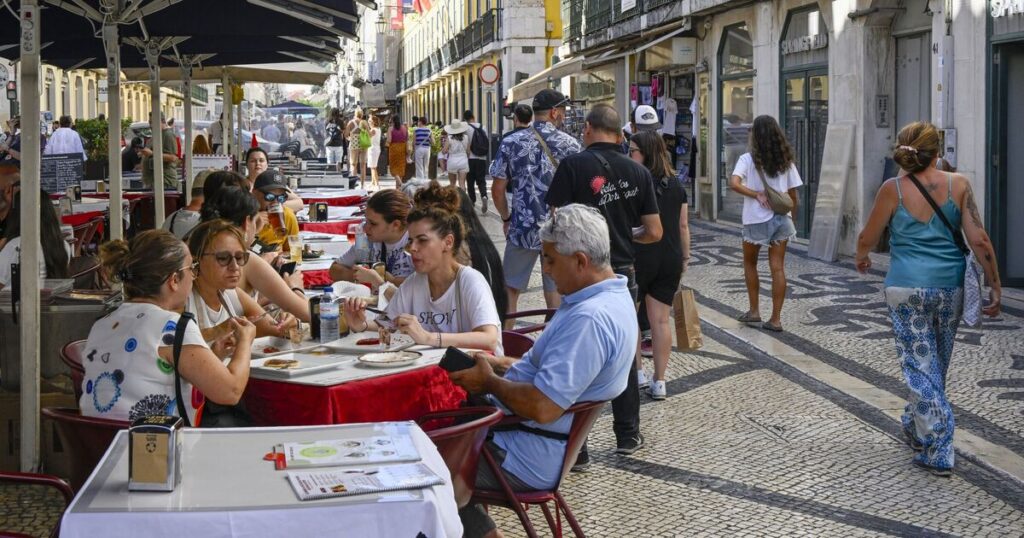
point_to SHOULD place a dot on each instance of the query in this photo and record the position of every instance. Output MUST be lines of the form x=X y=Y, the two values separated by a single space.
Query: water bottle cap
x=328 y=289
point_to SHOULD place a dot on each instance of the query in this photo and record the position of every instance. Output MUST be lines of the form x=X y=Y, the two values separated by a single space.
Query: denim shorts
x=518 y=265
x=770 y=232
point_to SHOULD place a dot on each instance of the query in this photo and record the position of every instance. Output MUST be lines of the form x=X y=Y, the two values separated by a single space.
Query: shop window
x=736 y=111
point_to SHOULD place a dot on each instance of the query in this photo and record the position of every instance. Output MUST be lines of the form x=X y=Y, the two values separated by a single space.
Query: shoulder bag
x=780 y=203
x=544 y=146
x=972 y=271
x=179 y=339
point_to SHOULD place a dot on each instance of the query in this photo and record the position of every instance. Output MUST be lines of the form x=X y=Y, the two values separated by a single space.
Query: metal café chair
x=548 y=313
x=459 y=435
x=515 y=344
x=43 y=480
x=71 y=355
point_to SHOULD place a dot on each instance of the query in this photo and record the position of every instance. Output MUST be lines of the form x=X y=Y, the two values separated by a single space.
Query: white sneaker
x=657 y=390
x=643 y=380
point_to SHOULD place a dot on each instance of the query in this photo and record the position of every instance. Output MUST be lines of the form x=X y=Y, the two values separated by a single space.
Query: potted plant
x=94 y=134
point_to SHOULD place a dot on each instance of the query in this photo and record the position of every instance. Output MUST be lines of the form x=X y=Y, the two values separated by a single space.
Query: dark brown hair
x=435 y=195
x=392 y=204
x=769 y=148
x=917 y=146
x=144 y=263
x=656 y=157
x=444 y=223
x=605 y=118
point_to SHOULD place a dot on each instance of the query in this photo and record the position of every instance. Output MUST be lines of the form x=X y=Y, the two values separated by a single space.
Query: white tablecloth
x=333 y=212
x=351 y=369
x=227 y=489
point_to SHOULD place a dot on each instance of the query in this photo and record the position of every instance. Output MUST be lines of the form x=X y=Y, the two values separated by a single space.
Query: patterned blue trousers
x=925 y=321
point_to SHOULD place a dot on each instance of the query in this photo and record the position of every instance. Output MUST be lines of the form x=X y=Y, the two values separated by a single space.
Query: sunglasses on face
x=224 y=258
x=271 y=197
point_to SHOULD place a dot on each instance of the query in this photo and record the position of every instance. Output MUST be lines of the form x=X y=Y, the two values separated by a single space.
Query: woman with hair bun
x=924 y=285
x=769 y=161
x=129 y=361
x=444 y=303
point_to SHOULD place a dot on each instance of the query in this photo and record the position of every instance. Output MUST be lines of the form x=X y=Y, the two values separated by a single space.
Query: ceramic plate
x=389 y=359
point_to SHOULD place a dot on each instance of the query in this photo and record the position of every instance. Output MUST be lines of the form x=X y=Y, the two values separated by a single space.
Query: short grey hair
x=579 y=228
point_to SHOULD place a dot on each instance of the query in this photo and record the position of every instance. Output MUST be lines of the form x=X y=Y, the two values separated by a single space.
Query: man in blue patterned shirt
x=527 y=159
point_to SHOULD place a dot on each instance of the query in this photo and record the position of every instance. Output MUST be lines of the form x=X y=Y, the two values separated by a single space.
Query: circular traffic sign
x=488 y=74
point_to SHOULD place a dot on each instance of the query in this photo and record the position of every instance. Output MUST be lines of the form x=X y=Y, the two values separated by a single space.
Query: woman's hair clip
x=911 y=149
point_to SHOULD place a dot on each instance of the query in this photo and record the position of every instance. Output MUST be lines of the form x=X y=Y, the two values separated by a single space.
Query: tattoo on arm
x=972 y=208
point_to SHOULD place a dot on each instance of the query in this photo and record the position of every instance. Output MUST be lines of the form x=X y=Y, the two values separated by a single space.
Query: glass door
x=805 y=120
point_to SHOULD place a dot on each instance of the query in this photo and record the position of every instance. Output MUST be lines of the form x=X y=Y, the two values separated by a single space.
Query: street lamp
x=382 y=25
x=360 y=56
x=349 y=70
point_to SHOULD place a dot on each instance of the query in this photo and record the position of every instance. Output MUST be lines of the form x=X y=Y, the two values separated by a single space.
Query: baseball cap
x=646 y=118
x=547 y=99
x=271 y=179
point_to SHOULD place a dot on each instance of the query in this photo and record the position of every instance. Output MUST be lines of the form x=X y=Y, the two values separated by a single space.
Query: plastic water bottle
x=362 y=245
x=329 y=314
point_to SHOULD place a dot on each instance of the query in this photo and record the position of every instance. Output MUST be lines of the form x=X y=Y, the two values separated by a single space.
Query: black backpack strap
x=958 y=237
x=179 y=338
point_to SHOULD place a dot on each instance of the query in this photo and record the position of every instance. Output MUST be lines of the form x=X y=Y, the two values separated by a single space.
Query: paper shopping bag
x=684 y=307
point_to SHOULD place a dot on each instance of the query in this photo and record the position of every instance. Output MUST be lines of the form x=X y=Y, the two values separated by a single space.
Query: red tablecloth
x=77 y=219
x=339 y=227
x=312 y=279
x=402 y=396
x=337 y=201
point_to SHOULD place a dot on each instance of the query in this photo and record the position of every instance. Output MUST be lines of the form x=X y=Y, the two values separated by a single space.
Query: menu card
x=352 y=451
x=310 y=485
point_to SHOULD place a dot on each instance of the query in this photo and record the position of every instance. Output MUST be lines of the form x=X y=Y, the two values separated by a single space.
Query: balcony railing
x=480 y=33
x=199 y=93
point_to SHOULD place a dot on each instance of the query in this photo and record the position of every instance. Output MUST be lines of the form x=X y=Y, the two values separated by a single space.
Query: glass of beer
x=295 y=245
x=275 y=214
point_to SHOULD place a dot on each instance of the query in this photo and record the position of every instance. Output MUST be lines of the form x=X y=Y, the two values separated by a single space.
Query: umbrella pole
x=186 y=152
x=226 y=110
x=30 y=200
x=113 y=49
x=153 y=50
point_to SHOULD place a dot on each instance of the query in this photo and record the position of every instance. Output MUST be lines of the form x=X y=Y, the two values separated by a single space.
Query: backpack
x=364 y=140
x=480 y=143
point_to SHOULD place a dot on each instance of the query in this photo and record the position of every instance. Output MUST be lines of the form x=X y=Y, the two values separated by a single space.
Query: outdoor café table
x=354 y=393
x=316 y=273
x=339 y=219
x=333 y=197
x=227 y=489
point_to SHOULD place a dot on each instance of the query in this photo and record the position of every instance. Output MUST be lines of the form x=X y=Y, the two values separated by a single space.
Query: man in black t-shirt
x=623 y=191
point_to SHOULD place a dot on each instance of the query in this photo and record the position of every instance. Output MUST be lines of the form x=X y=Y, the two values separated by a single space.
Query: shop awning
x=529 y=87
x=280 y=73
x=636 y=47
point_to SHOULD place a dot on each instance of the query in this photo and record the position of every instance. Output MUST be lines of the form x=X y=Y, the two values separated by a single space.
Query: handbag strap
x=179 y=338
x=544 y=146
x=958 y=237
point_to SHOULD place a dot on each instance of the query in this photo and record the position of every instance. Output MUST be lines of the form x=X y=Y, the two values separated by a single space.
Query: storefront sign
x=1004 y=8
x=805 y=43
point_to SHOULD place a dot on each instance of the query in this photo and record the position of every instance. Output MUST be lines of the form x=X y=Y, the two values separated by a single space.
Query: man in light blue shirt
x=584 y=354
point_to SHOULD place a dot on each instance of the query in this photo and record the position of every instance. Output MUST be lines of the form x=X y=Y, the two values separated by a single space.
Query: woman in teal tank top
x=924 y=284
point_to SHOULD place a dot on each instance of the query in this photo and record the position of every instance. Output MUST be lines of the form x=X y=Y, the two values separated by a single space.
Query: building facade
x=444 y=48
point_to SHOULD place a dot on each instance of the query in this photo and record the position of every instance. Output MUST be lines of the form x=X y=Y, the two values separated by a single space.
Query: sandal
x=773 y=328
x=747 y=318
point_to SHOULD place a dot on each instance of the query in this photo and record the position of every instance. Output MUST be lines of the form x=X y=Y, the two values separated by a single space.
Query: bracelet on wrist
x=439 y=339
x=509 y=219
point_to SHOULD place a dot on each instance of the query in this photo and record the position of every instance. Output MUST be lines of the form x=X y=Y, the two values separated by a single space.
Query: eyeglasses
x=224 y=258
x=190 y=268
x=271 y=197
x=634 y=149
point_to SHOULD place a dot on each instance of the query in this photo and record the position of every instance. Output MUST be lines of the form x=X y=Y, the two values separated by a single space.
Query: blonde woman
x=373 y=154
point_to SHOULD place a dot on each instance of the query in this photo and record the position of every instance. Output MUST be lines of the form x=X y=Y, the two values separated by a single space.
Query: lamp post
x=343 y=80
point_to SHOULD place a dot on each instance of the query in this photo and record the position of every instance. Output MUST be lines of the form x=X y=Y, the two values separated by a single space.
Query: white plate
x=308 y=363
x=390 y=359
x=348 y=344
x=283 y=345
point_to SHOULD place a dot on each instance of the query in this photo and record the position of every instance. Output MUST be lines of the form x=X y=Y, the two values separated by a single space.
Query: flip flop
x=773 y=328
x=747 y=318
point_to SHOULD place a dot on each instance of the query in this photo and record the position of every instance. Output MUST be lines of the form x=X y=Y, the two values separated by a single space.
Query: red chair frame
x=34 y=479
x=71 y=355
x=515 y=344
x=584 y=416
x=85 y=439
x=548 y=313
x=460 y=444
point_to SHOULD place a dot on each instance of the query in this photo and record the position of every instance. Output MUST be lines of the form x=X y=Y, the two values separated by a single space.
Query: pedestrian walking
x=660 y=266
x=602 y=176
x=373 y=153
x=767 y=166
x=521 y=171
x=335 y=139
x=479 y=150
x=398 y=137
x=356 y=153
x=927 y=211
x=456 y=150
x=421 y=141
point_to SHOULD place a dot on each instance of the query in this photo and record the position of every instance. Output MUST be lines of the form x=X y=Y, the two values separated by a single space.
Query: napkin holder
x=154 y=453
x=320 y=212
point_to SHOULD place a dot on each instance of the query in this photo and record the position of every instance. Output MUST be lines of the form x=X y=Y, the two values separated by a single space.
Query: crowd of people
x=608 y=220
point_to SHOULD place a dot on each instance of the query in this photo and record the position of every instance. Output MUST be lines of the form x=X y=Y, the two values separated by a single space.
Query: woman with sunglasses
x=220 y=255
x=444 y=303
x=257 y=162
x=129 y=361
x=259 y=279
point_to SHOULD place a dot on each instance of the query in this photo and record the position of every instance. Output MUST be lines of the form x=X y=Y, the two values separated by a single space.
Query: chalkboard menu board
x=59 y=171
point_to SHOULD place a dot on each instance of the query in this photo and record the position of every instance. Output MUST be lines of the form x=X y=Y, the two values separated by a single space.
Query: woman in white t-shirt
x=53 y=251
x=457 y=148
x=373 y=154
x=770 y=160
x=128 y=357
x=444 y=303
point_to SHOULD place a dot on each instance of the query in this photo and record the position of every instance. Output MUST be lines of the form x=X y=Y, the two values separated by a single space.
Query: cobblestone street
x=749 y=444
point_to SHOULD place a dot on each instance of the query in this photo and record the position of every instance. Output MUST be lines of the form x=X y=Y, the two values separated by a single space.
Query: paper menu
x=309 y=485
x=352 y=451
